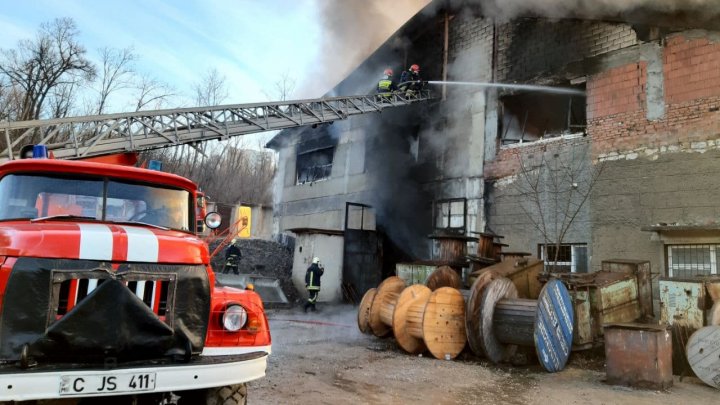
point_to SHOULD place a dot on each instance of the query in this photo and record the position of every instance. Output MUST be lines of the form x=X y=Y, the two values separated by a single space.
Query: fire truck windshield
x=40 y=196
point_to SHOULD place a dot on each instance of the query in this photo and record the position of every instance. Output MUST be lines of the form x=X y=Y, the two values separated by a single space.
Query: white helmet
x=233 y=241
x=316 y=260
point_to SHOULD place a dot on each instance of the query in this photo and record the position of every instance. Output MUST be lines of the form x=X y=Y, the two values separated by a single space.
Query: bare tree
x=282 y=89
x=211 y=89
x=553 y=188
x=115 y=73
x=38 y=66
x=151 y=93
x=10 y=101
x=62 y=100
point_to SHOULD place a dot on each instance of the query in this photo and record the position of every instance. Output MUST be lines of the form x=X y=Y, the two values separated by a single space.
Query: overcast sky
x=252 y=43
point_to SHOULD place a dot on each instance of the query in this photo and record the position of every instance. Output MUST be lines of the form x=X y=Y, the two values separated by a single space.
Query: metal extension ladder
x=95 y=135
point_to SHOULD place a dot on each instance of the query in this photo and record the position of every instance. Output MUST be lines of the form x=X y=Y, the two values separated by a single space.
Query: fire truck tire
x=227 y=395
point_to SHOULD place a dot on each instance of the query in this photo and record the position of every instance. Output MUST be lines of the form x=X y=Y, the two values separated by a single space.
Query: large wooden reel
x=363 y=317
x=383 y=305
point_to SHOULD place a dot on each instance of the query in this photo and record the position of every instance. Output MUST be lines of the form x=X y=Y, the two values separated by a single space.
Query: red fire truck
x=105 y=290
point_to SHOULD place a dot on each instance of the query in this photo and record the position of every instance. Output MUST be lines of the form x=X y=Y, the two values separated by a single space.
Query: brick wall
x=508 y=159
x=530 y=47
x=692 y=69
x=617 y=121
x=618 y=90
x=466 y=32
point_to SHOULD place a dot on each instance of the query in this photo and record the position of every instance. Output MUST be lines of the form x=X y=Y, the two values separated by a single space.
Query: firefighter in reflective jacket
x=410 y=81
x=232 y=258
x=386 y=85
x=312 y=283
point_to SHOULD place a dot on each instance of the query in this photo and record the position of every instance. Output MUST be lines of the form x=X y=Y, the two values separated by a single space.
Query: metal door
x=362 y=258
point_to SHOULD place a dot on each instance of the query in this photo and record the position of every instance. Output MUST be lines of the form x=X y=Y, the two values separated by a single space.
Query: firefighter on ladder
x=410 y=82
x=386 y=85
x=312 y=283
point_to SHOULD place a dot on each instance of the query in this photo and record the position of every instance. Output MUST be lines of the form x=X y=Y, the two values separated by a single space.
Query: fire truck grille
x=157 y=292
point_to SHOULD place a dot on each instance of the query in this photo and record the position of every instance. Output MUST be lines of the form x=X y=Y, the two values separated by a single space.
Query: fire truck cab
x=105 y=290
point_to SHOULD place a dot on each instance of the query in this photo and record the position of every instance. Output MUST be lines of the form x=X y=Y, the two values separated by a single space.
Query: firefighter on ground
x=232 y=258
x=386 y=85
x=410 y=81
x=312 y=283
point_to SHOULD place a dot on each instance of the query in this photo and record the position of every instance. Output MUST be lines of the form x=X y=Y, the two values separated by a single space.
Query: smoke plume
x=351 y=31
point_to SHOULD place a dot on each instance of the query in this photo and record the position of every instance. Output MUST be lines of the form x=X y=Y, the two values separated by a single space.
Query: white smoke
x=352 y=31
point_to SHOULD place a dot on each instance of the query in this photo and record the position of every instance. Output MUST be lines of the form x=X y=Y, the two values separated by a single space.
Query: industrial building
x=622 y=169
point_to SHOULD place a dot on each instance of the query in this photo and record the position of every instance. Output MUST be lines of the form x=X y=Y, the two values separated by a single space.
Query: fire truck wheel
x=227 y=395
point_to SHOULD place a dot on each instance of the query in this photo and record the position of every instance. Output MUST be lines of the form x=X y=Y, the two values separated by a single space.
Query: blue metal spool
x=554 y=322
x=506 y=321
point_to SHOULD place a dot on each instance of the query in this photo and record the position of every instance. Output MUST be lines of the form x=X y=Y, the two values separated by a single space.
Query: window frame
x=712 y=265
x=449 y=228
x=574 y=258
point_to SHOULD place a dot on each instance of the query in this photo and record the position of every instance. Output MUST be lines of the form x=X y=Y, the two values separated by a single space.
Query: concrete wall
x=511 y=202
x=673 y=188
x=329 y=248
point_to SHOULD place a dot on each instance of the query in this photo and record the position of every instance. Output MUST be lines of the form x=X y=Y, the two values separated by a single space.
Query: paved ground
x=322 y=358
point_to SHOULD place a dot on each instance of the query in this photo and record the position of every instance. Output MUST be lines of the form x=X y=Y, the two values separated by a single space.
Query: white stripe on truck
x=143 y=245
x=96 y=242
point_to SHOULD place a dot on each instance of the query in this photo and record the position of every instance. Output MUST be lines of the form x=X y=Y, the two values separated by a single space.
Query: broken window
x=449 y=215
x=314 y=165
x=691 y=260
x=571 y=258
x=530 y=116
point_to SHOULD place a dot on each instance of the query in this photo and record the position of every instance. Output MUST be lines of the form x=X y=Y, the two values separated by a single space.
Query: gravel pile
x=265 y=258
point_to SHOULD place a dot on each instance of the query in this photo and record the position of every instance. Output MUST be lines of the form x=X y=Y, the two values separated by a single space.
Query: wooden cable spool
x=383 y=305
x=501 y=321
x=363 y=319
x=702 y=353
x=420 y=319
x=443 y=276
x=433 y=320
x=408 y=318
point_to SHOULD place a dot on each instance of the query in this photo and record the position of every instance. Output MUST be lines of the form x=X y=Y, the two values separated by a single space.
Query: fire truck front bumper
x=53 y=382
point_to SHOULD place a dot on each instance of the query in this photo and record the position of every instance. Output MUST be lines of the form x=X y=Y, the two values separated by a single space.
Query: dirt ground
x=322 y=358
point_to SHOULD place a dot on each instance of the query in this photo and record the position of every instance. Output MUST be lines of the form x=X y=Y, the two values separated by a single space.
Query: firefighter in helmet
x=410 y=81
x=386 y=85
x=312 y=282
x=232 y=258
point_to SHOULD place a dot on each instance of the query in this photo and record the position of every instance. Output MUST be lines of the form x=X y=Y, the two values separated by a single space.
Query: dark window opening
x=571 y=258
x=449 y=215
x=314 y=165
x=531 y=116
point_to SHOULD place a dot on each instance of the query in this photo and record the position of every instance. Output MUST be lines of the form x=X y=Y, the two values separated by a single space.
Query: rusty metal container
x=641 y=270
x=600 y=298
x=686 y=305
x=638 y=355
x=415 y=273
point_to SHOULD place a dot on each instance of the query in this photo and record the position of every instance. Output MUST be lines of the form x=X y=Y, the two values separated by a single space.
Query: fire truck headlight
x=213 y=220
x=234 y=318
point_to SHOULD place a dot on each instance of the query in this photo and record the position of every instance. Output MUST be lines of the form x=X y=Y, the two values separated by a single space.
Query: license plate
x=106 y=383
